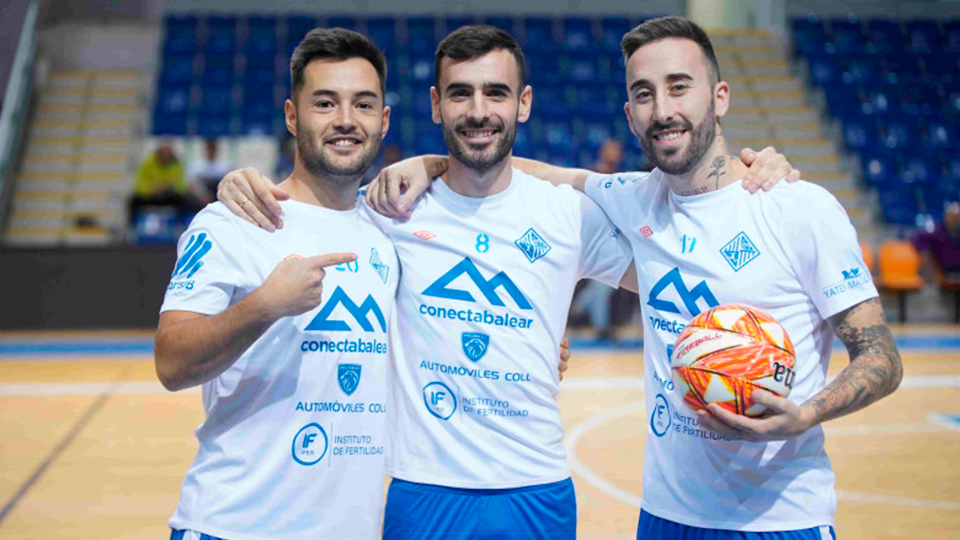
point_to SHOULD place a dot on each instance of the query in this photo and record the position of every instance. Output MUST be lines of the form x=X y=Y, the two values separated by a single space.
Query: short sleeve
x=825 y=251
x=612 y=191
x=605 y=254
x=208 y=266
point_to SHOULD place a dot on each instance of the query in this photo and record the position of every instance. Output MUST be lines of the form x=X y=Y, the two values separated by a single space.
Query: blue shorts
x=423 y=511
x=653 y=528
x=190 y=535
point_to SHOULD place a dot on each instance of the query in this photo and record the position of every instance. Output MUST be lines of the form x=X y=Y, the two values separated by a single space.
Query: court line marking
x=71 y=435
x=574 y=434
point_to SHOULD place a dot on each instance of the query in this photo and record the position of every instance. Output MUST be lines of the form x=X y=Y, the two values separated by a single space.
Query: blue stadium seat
x=848 y=37
x=538 y=34
x=342 y=21
x=180 y=20
x=507 y=24
x=578 y=35
x=920 y=99
x=921 y=168
x=221 y=22
x=523 y=145
x=581 y=67
x=166 y=124
x=810 y=36
x=213 y=126
x=383 y=31
x=824 y=72
x=217 y=76
x=885 y=36
x=901 y=68
x=429 y=138
x=221 y=42
x=173 y=101
x=180 y=41
x=941 y=68
x=216 y=101
x=261 y=43
x=900 y=134
x=899 y=205
x=879 y=168
x=421 y=35
x=558 y=136
x=613 y=29
x=860 y=135
x=951 y=36
x=298 y=26
x=595 y=133
x=177 y=70
x=922 y=36
x=456 y=21
x=262 y=23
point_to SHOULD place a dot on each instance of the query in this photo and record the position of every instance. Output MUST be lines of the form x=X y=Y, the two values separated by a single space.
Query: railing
x=15 y=101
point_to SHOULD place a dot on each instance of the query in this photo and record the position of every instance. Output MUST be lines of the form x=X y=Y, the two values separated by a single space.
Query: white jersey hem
x=227 y=535
x=445 y=482
x=756 y=526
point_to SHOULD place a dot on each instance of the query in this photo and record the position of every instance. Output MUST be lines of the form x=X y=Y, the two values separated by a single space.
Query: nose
x=345 y=122
x=478 y=107
x=664 y=110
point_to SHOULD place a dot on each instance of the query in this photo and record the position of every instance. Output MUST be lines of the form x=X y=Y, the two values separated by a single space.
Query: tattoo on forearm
x=875 y=369
x=718 y=164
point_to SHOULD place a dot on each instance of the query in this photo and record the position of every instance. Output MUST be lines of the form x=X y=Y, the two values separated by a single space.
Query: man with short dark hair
x=286 y=332
x=490 y=260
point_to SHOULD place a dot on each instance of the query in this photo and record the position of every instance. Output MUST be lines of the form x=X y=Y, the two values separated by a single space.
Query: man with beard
x=699 y=242
x=293 y=442
x=490 y=259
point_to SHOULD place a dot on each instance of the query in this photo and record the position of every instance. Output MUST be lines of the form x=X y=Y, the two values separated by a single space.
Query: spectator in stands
x=160 y=182
x=942 y=246
x=609 y=157
x=285 y=158
x=205 y=174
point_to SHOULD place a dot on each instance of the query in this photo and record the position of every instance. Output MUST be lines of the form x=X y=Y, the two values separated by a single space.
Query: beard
x=320 y=164
x=480 y=159
x=683 y=160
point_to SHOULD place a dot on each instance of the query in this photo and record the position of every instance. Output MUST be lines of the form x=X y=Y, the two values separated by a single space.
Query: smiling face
x=479 y=104
x=339 y=118
x=673 y=103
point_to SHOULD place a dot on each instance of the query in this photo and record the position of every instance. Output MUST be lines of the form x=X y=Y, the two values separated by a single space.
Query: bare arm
x=874 y=371
x=629 y=279
x=875 y=368
x=192 y=348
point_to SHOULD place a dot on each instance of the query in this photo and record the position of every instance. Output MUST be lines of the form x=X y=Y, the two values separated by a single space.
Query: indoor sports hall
x=862 y=97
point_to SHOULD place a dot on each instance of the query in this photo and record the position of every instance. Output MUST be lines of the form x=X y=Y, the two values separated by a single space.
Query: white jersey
x=293 y=444
x=481 y=308
x=792 y=253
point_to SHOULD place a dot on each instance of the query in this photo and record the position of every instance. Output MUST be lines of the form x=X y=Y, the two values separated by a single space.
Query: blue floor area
x=23 y=347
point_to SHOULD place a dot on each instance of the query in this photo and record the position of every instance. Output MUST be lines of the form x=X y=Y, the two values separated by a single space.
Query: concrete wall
x=12 y=13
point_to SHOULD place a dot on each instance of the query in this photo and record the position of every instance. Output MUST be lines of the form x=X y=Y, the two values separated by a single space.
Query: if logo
x=487 y=287
x=689 y=297
x=310 y=444
x=440 y=400
x=189 y=263
x=361 y=314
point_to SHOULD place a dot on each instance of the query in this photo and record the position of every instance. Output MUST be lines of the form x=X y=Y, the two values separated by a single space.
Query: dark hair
x=477 y=40
x=338 y=43
x=670 y=27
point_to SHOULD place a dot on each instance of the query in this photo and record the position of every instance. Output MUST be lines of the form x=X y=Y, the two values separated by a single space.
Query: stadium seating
x=228 y=76
x=899 y=265
x=894 y=88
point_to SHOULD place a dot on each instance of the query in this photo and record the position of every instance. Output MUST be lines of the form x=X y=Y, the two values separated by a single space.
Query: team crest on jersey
x=739 y=251
x=382 y=270
x=474 y=344
x=348 y=375
x=532 y=245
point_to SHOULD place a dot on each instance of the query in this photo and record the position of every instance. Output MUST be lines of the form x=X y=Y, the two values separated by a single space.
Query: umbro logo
x=425 y=235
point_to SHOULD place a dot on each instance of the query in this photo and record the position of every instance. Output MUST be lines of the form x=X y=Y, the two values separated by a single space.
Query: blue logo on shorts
x=440 y=400
x=348 y=375
x=739 y=251
x=474 y=344
x=660 y=417
x=310 y=444
x=532 y=245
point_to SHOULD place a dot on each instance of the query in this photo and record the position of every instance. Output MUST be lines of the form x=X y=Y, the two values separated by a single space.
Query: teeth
x=480 y=133
x=343 y=142
x=670 y=136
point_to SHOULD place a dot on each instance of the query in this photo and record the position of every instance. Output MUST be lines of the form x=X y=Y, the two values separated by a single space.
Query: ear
x=386 y=122
x=526 y=103
x=626 y=111
x=290 y=116
x=721 y=98
x=435 y=105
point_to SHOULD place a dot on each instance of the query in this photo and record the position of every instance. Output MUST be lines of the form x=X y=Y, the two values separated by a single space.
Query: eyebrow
x=360 y=94
x=486 y=86
x=673 y=77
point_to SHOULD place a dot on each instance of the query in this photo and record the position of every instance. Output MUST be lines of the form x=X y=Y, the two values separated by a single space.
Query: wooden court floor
x=91 y=446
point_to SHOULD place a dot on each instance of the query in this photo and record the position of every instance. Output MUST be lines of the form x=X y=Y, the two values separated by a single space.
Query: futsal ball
x=727 y=352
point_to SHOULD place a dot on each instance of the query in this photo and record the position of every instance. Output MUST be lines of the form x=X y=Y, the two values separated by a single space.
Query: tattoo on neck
x=698 y=191
x=718 y=163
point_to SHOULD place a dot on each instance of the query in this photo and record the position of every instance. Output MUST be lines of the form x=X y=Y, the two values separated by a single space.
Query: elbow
x=896 y=376
x=169 y=371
